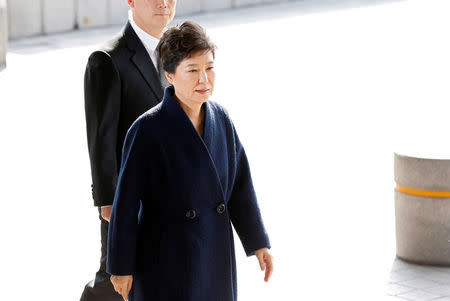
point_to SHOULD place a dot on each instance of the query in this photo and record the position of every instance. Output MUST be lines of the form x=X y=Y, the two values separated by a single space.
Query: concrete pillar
x=24 y=18
x=92 y=13
x=3 y=33
x=422 y=209
x=211 y=5
x=185 y=7
x=118 y=11
x=58 y=15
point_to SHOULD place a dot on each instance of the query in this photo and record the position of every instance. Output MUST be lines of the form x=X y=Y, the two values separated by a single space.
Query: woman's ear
x=169 y=77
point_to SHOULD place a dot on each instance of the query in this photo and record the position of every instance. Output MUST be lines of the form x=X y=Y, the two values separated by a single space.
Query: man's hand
x=122 y=285
x=265 y=262
x=106 y=213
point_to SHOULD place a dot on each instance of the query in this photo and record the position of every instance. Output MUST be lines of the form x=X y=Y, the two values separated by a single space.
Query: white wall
x=32 y=17
x=58 y=15
x=208 y=5
x=92 y=13
x=185 y=7
x=118 y=11
x=24 y=18
x=3 y=33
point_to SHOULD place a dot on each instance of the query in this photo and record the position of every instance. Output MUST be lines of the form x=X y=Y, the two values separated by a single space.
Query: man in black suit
x=122 y=81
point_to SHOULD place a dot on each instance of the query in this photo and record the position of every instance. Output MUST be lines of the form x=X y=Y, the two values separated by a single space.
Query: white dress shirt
x=149 y=41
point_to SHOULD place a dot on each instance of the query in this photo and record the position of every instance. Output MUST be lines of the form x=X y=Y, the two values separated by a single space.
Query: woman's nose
x=203 y=77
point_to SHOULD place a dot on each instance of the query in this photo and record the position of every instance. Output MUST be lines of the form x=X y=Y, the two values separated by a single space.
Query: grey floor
x=418 y=283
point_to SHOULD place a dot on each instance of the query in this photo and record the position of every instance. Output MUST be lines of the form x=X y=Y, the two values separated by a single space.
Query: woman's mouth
x=205 y=91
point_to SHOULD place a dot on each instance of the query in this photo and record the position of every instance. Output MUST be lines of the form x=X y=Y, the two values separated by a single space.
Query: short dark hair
x=180 y=42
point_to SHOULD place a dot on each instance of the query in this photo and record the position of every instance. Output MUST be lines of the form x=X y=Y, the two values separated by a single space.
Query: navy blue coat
x=177 y=195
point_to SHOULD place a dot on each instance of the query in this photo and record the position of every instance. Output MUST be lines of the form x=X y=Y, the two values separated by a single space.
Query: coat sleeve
x=123 y=226
x=243 y=206
x=102 y=108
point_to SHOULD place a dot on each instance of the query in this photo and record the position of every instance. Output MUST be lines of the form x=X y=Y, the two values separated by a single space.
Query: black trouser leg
x=101 y=288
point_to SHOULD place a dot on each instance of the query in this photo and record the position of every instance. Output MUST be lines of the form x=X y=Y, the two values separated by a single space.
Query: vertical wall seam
x=42 y=4
x=75 y=14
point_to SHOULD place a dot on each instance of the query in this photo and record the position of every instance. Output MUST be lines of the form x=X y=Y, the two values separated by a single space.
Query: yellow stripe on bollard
x=424 y=193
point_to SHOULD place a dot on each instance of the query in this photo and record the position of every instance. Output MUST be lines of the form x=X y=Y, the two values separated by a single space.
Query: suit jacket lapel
x=142 y=61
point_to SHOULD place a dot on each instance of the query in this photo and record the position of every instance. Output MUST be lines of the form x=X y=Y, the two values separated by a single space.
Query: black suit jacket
x=120 y=84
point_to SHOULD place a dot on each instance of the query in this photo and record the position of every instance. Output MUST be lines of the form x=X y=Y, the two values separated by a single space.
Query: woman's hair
x=181 y=42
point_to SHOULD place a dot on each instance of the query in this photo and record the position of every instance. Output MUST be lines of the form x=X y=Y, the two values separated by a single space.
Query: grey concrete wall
x=185 y=7
x=3 y=33
x=422 y=223
x=92 y=13
x=237 y=3
x=209 y=5
x=58 y=15
x=32 y=17
x=24 y=18
x=118 y=11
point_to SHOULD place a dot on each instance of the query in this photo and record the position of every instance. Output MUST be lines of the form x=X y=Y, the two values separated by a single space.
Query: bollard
x=422 y=210
x=3 y=33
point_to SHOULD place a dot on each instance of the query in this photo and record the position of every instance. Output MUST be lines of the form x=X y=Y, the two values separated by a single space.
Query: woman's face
x=194 y=77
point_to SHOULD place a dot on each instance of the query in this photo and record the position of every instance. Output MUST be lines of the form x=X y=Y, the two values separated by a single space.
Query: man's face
x=155 y=14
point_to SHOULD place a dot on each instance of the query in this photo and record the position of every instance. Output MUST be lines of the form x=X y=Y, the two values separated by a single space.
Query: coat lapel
x=179 y=118
x=142 y=61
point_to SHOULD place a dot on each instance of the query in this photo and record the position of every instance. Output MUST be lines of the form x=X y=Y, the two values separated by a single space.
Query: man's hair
x=181 y=42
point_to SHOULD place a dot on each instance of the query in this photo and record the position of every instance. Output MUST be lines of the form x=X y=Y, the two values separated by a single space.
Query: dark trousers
x=101 y=288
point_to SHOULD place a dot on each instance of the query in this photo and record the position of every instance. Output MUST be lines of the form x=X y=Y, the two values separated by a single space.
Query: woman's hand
x=122 y=284
x=265 y=262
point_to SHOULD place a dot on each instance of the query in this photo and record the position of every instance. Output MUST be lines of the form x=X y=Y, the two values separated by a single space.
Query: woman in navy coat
x=184 y=180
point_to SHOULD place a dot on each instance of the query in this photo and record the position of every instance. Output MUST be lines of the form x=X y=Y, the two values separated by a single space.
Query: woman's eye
x=210 y=68
x=192 y=71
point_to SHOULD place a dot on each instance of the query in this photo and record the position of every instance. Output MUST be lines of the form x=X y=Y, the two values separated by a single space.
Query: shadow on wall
x=248 y=13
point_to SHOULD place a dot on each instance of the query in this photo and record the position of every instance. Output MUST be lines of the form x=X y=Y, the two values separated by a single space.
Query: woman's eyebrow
x=190 y=65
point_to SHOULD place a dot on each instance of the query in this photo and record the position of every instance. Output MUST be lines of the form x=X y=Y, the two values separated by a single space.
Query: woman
x=184 y=179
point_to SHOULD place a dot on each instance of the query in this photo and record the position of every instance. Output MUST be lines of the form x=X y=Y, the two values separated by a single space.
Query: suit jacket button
x=190 y=214
x=221 y=208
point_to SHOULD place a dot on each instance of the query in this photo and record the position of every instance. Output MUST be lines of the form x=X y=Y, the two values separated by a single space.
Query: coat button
x=190 y=214
x=221 y=208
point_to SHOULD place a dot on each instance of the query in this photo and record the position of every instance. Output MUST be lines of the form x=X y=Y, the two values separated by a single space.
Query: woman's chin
x=203 y=97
